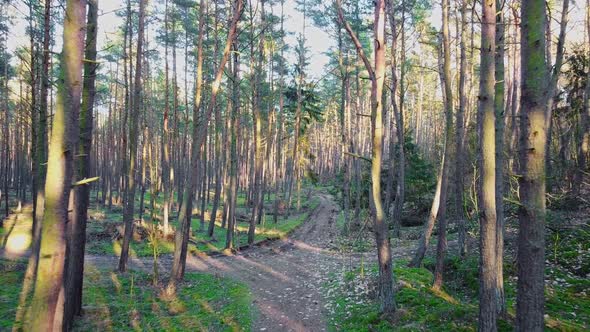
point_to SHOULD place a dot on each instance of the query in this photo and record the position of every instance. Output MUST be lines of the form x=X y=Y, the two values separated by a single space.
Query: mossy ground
x=130 y=302
x=353 y=305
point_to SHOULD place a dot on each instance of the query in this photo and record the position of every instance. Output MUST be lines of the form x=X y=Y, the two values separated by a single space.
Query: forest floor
x=316 y=279
x=287 y=277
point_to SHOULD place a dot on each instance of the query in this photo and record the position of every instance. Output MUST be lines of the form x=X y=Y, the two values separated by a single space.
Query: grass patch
x=127 y=302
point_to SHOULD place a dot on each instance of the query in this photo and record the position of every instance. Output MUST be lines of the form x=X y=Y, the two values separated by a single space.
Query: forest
x=294 y=165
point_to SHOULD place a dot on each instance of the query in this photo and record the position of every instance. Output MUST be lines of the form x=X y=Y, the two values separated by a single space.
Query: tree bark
x=441 y=245
x=499 y=110
x=401 y=141
x=552 y=84
x=77 y=226
x=487 y=164
x=533 y=144
x=460 y=133
x=48 y=299
x=233 y=158
x=166 y=136
x=584 y=145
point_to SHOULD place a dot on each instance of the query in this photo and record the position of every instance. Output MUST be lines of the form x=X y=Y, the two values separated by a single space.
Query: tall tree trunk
x=552 y=83
x=218 y=170
x=533 y=145
x=48 y=299
x=40 y=167
x=487 y=164
x=257 y=211
x=7 y=159
x=584 y=121
x=499 y=110
x=35 y=130
x=279 y=139
x=377 y=76
x=389 y=196
x=344 y=112
x=441 y=245
x=77 y=226
x=400 y=189
x=233 y=158
x=186 y=208
x=166 y=136
x=460 y=133
x=133 y=133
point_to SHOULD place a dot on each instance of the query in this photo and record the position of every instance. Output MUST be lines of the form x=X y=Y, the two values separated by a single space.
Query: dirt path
x=284 y=276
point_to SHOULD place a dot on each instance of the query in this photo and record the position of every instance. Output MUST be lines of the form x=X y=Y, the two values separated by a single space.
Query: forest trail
x=285 y=276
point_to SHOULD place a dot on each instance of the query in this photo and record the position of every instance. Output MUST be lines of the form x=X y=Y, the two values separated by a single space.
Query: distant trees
x=199 y=136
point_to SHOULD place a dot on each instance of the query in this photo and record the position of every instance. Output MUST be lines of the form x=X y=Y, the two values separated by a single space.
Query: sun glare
x=18 y=243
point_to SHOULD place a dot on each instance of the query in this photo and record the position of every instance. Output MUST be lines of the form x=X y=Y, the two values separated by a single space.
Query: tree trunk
x=48 y=299
x=233 y=158
x=400 y=189
x=441 y=245
x=166 y=136
x=199 y=135
x=584 y=144
x=133 y=133
x=499 y=110
x=429 y=227
x=390 y=196
x=487 y=164
x=77 y=226
x=377 y=76
x=40 y=173
x=259 y=74
x=533 y=144
x=279 y=139
x=552 y=83
x=460 y=133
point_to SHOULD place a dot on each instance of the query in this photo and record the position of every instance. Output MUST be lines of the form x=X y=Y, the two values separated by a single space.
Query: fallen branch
x=85 y=181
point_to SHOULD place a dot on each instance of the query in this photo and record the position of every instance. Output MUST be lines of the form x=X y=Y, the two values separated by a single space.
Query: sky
x=317 y=40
